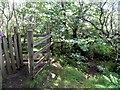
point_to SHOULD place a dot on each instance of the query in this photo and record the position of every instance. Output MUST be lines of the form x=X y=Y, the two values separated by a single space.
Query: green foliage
x=64 y=60
x=118 y=68
x=111 y=66
x=97 y=45
x=108 y=65
x=101 y=49
x=83 y=43
x=103 y=81
x=78 y=57
x=109 y=82
x=82 y=66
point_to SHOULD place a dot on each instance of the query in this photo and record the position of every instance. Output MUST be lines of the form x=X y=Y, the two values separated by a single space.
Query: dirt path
x=17 y=80
x=93 y=67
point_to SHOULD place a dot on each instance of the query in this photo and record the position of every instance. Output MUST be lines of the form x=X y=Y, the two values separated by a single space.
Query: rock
x=53 y=75
x=100 y=69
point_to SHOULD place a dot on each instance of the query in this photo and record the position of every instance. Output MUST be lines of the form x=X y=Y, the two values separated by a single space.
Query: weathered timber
x=36 y=35
x=41 y=40
x=42 y=50
x=30 y=53
x=40 y=70
x=7 y=57
x=4 y=73
x=11 y=53
x=41 y=59
x=16 y=52
x=20 y=50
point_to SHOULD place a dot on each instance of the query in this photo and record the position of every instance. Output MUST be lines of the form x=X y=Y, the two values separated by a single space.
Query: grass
x=38 y=81
x=102 y=81
x=71 y=77
x=68 y=77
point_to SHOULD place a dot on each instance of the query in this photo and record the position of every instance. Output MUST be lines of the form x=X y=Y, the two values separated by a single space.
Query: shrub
x=110 y=81
x=101 y=49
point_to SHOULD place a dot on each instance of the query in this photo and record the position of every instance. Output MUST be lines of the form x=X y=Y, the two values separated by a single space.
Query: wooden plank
x=48 y=32
x=36 y=35
x=48 y=40
x=26 y=60
x=16 y=46
x=41 y=40
x=30 y=53
x=26 y=52
x=20 y=50
x=25 y=44
x=16 y=51
x=7 y=57
x=0 y=64
x=4 y=74
x=42 y=50
x=39 y=35
x=0 y=53
x=40 y=70
x=37 y=64
x=11 y=53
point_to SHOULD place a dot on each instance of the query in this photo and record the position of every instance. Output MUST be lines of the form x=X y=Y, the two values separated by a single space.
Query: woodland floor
x=17 y=80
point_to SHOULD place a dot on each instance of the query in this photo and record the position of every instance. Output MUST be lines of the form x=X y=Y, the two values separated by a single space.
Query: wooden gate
x=15 y=52
x=35 y=66
x=11 y=53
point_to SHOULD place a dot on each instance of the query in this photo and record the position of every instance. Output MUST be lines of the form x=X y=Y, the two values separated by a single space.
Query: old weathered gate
x=16 y=53
x=35 y=66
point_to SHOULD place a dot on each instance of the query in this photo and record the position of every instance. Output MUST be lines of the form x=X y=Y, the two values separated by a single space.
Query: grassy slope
x=71 y=77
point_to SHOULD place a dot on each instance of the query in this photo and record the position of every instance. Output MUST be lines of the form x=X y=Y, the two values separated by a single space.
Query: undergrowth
x=74 y=76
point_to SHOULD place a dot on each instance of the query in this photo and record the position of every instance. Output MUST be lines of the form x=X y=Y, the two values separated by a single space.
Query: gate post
x=0 y=61
x=30 y=53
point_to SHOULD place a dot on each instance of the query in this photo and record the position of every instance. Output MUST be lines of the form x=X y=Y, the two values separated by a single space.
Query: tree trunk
x=75 y=33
